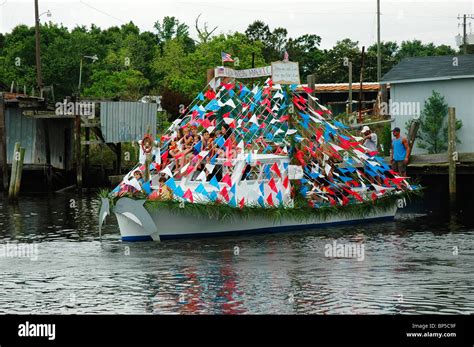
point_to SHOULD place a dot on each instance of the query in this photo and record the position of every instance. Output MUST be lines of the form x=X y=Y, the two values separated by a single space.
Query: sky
x=428 y=20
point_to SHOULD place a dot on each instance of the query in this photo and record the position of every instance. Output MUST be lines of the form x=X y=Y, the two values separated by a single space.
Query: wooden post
x=349 y=108
x=3 y=144
x=19 y=171
x=452 y=154
x=86 y=152
x=210 y=75
x=119 y=158
x=311 y=84
x=47 y=144
x=102 y=170
x=17 y=167
x=384 y=95
x=77 y=141
x=415 y=125
x=15 y=159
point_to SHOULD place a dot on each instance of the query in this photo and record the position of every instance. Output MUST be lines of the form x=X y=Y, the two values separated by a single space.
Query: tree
x=416 y=48
x=171 y=29
x=186 y=72
x=305 y=50
x=258 y=31
x=332 y=69
x=388 y=52
x=203 y=32
x=120 y=85
x=433 y=132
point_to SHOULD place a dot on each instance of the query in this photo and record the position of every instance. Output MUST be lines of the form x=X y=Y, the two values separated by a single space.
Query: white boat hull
x=170 y=225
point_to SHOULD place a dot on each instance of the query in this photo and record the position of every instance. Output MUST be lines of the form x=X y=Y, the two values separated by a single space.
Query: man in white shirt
x=370 y=139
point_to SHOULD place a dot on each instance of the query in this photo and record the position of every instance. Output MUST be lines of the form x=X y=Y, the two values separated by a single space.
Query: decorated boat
x=262 y=159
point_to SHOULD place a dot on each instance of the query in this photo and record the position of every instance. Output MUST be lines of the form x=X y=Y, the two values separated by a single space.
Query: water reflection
x=409 y=267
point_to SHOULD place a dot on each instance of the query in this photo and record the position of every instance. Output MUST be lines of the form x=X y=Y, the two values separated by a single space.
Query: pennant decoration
x=188 y=195
x=272 y=185
x=233 y=138
x=270 y=200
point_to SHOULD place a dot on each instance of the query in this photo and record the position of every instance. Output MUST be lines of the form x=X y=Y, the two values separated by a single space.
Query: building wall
x=30 y=133
x=458 y=93
x=123 y=121
x=20 y=129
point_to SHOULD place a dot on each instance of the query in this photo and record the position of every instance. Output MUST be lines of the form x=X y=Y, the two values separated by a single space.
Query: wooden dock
x=438 y=164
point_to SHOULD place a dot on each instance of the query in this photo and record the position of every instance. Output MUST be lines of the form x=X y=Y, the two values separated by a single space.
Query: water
x=410 y=266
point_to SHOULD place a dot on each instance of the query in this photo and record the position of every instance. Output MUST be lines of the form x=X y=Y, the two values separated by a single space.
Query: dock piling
x=17 y=168
x=452 y=154
x=3 y=144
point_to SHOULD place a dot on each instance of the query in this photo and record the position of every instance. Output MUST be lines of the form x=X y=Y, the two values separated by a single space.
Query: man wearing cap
x=400 y=152
x=370 y=139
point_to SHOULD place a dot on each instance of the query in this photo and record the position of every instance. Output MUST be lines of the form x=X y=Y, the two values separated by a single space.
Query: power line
x=103 y=12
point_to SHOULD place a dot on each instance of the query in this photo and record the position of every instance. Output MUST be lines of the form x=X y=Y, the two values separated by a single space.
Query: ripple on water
x=408 y=268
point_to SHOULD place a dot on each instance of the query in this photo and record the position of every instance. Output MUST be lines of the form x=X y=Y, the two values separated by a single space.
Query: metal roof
x=127 y=121
x=343 y=87
x=418 y=69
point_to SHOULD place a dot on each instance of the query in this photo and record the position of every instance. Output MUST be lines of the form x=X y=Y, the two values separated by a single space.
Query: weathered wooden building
x=47 y=138
x=336 y=95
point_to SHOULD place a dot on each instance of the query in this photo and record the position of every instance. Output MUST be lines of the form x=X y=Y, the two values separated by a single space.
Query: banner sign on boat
x=295 y=172
x=285 y=72
x=222 y=71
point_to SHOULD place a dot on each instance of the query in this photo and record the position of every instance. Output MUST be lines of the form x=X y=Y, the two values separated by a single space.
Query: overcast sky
x=429 y=20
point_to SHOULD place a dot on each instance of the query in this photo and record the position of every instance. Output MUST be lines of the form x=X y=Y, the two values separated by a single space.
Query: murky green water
x=421 y=263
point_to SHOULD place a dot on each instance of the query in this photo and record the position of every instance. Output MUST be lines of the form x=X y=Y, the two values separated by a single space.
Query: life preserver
x=147 y=144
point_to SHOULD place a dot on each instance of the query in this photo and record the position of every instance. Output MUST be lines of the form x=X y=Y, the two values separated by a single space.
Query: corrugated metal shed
x=342 y=87
x=20 y=129
x=30 y=133
x=127 y=121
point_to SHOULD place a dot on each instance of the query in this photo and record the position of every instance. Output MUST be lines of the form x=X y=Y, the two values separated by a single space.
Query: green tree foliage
x=133 y=63
x=416 y=48
x=187 y=72
x=333 y=67
x=303 y=49
x=118 y=85
x=171 y=29
x=433 y=132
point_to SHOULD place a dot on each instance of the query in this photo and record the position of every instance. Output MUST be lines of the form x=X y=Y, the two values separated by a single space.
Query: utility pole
x=349 y=108
x=464 y=41
x=379 y=56
x=464 y=32
x=361 y=83
x=39 y=80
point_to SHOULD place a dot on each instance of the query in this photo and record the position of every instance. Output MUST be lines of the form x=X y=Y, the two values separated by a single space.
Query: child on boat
x=163 y=192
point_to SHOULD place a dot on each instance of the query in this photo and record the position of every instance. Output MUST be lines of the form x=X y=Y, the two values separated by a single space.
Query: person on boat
x=174 y=153
x=187 y=136
x=194 y=131
x=370 y=139
x=205 y=140
x=138 y=175
x=400 y=153
x=163 y=192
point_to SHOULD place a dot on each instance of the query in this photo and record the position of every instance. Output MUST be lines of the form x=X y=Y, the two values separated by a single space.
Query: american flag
x=226 y=57
x=286 y=57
